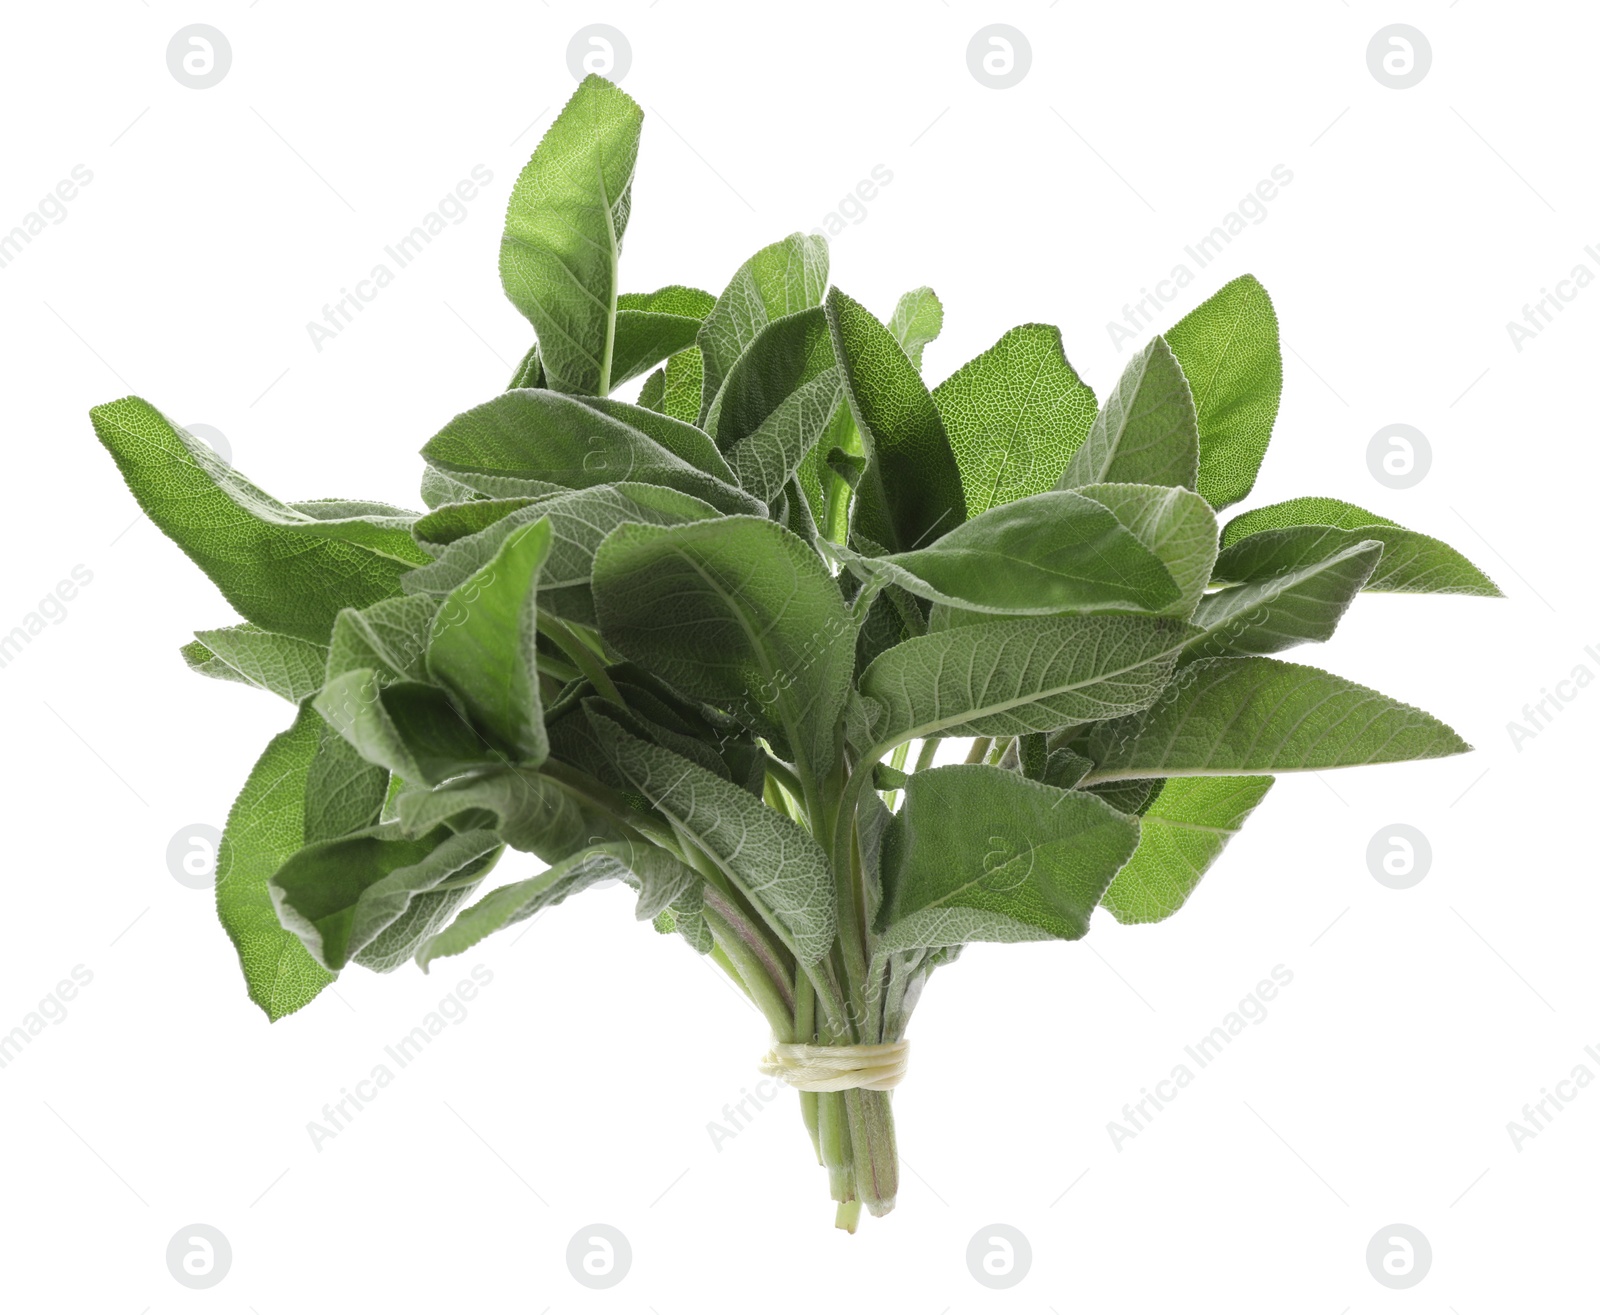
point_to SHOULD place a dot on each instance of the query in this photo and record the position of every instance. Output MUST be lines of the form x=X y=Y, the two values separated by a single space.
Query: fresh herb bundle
x=710 y=643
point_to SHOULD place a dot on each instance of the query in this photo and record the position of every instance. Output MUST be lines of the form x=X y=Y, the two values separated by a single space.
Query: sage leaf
x=918 y=317
x=282 y=569
x=265 y=827
x=579 y=521
x=1228 y=348
x=1287 y=535
x=577 y=443
x=674 y=389
x=663 y=882
x=1232 y=715
x=1023 y=674
x=389 y=638
x=1146 y=432
x=651 y=326
x=980 y=854
x=1015 y=416
x=344 y=792
x=778 y=280
x=776 y=402
x=1049 y=553
x=527 y=810
x=286 y=666
x=339 y=896
x=1299 y=606
x=755 y=623
x=482 y=644
x=563 y=235
x=1177 y=526
x=409 y=728
x=777 y=866
x=1181 y=835
x=910 y=491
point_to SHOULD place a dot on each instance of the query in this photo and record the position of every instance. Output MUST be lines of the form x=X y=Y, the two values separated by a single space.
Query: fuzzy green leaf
x=981 y=854
x=1231 y=715
x=777 y=866
x=1228 y=348
x=482 y=644
x=1299 y=606
x=918 y=317
x=286 y=666
x=910 y=491
x=778 y=280
x=579 y=443
x=1288 y=535
x=1181 y=834
x=1018 y=675
x=661 y=880
x=1146 y=433
x=340 y=896
x=563 y=235
x=282 y=569
x=1050 y=553
x=1015 y=416
x=738 y=612
x=651 y=326
x=266 y=826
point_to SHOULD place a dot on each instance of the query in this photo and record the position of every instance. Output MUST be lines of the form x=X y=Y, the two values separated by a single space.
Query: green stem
x=926 y=754
x=805 y=1029
x=583 y=657
x=979 y=749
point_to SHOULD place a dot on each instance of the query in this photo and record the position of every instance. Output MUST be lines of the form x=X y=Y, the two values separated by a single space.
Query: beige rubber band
x=838 y=1068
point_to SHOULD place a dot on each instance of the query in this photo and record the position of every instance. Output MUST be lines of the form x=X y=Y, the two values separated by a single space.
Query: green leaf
x=1228 y=348
x=390 y=638
x=563 y=235
x=662 y=882
x=778 y=280
x=407 y=727
x=777 y=866
x=1019 y=675
x=1288 y=535
x=527 y=810
x=1146 y=433
x=281 y=664
x=1225 y=716
x=1181 y=835
x=283 y=570
x=652 y=326
x=776 y=402
x=456 y=520
x=918 y=317
x=344 y=792
x=752 y=621
x=910 y=492
x=674 y=389
x=579 y=522
x=530 y=371
x=1050 y=553
x=1299 y=606
x=1176 y=525
x=482 y=644
x=1015 y=415
x=579 y=443
x=265 y=827
x=981 y=854
x=339 y=896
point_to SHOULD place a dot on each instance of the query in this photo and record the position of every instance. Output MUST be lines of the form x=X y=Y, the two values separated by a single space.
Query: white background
x=580 y=1085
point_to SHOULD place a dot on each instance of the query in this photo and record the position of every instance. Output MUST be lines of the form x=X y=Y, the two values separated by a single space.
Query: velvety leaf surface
x=1146 y=432
x=563 y=235
x=1228 y=348
x=282 y=569
x=981 y=854
x=1226 y=716
x=1181 y=835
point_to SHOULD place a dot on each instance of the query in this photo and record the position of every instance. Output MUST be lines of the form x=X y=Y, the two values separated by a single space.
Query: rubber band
x=808 y=1067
